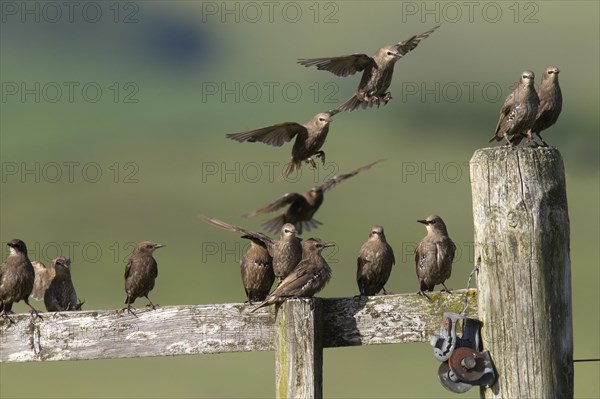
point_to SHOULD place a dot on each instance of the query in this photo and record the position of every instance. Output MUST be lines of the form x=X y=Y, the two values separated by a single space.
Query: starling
x=286 y=252
x=550 y=102
x=140 y=273
x=310 y=137
x=16 y=278
x=519 y=110
x=54 y=286
x=308 y=278
x=302 y=207
x=374 y=263
x=434 y=255
x=377 y=71
x=257 y=270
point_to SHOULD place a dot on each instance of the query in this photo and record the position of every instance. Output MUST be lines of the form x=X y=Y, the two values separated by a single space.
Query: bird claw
x=311 y=162
x=423 y=293
x=321 y=154
x=33 y=311
x=129 y=310
x=386 y=97
x=446 y=289
x=386 y=292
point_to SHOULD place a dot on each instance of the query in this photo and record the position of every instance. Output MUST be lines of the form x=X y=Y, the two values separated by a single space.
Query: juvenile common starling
x=434 y=255
x=140 y=273
x=302 y=207
x=54 y=286
x=16 y=278
x=257 y=270
x=286 y=252
x=374 y=263
x=518 y=112
x=377 y=71
x=308 y=278
x=550 y=102
x=310 y=137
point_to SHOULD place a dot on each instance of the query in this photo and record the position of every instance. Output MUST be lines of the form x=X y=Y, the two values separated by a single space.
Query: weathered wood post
x=299 y=349
x=521 y=225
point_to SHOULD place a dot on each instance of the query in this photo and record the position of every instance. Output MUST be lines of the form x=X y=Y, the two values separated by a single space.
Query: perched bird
x=374 y=263
x=517 y=115
x=140 y=273
x=434 y=255
x=54 y=286
x=377 y=71
x=308 y=278
x=286 y=252
x=257 y=270
x=550 y=102
x=310 y=137
x=16 y=278
x=302 y=207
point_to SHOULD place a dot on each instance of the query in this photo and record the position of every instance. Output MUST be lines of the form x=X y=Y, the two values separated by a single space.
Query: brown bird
x=550 y=106
x=54 y=286
x=518 y=112
x=308 y=278
x=257 y=270
x=377 y=71
x=302 y=207
x=16 y=278
x=374 y=263
x=310 y=137
x=140 y=273
x=286 y=252
x=434 y=255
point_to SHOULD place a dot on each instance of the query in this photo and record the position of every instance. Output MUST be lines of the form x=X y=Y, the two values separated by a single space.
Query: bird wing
x=341 y=66
x=275 y=135
x=340 y=178
x=128 y=268
x=245 y=233
x=294 y=281
x=284 y=200
x=410 y=44
x=42 y=280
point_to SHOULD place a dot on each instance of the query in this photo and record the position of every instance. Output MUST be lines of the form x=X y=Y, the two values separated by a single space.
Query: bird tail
x=352 y=104
x=274 y=225
x=291 y=167
x=266 y=302
x=310 y=224
x=495 y=138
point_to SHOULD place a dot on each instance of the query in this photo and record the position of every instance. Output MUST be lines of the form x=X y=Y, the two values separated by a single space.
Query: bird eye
x=322 y=119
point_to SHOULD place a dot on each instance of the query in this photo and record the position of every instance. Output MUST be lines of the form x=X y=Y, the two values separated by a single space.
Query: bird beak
x=422 y=221
x=332 y=112
x=329 y=244
x=556 y=70
x=158 y=246
x=397 y=55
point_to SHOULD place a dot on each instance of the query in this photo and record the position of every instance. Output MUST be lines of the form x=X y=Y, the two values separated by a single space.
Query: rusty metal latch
x=463 y=363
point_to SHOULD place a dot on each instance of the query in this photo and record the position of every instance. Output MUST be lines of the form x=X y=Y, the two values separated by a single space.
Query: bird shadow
x=340 y=327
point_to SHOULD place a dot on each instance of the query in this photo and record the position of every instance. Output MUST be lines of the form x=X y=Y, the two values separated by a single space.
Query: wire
x=586 y=360
x=475 y=269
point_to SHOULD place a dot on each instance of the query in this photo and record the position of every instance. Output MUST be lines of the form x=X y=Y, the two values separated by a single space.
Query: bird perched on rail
x=377 y=71
x=374 y=263
x=302 y=207
x=550 y=106
x=286 y=252
x=310 y=137
x=140 y=274
x=54 y=285
x=256 y=266
x=434 y=255
x=518 y=112
x=16 y=278
x=308 y=278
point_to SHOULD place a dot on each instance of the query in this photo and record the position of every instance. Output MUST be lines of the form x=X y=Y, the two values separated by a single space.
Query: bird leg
x=386 y=292
x=33 y=310
x=386 y=97
x=150 y=304
x=311 y=162
x=423 y=293
x=129 y=310
x=446 y=289
x=321 y=154
x=544 y=144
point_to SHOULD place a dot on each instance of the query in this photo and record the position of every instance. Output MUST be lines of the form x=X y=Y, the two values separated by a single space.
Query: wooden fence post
x=299 y=349
x=521 y=225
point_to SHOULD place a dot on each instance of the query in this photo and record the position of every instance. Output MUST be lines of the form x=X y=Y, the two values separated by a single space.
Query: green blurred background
x=148 y=155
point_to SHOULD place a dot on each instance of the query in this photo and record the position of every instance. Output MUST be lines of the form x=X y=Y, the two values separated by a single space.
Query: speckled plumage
x=434 y=255
x=374 y=263
x=141 y=272
x=16 y=278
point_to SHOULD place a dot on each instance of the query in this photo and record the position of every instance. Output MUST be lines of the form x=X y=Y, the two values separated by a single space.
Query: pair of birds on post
x=20 y=278
x=526 y=111
x=372 y=90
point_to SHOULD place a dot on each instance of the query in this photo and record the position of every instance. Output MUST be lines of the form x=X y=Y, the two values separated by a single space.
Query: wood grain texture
x=521 y=225
x=195 y=329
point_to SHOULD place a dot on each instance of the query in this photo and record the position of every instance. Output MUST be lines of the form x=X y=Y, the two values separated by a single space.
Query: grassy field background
x=112 y=132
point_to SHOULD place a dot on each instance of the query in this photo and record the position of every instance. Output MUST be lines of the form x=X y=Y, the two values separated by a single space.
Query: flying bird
x=140 y=274
x=286 y=252
x=16 y=278
x=54 y=285
x=310 y=137
x=377 y=71
x=434 y=255
x=519 y=110
x=308 y=278
x=374 y=263
x=302 y=207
